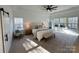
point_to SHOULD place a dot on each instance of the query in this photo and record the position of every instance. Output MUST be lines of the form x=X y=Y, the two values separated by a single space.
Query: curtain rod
x=2 y=9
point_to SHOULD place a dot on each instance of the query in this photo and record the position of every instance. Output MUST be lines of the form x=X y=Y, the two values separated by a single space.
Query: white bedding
x=40 y=33
x=34 y=31
x=44 y=33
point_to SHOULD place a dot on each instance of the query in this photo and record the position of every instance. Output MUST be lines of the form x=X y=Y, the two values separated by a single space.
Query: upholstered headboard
x=37 y=25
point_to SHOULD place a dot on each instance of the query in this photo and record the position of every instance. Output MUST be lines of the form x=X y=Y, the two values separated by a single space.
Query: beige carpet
x=28 y=44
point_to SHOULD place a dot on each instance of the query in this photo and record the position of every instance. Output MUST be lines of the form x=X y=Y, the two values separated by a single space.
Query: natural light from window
x=32 y=47
x=18 y=23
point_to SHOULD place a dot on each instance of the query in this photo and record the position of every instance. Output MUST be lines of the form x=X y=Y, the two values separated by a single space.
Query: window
x=62 y=20
x=70 y=22
x=59 y=21
x=18 y=23
x=56 y=20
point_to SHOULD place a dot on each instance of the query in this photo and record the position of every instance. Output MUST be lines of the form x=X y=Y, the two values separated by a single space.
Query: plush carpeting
x=28 y=44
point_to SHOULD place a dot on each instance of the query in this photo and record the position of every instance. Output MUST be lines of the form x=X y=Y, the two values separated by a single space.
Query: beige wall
x=35 y=17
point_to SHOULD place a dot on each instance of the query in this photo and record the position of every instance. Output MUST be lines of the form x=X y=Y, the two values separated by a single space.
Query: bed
x=42 y=33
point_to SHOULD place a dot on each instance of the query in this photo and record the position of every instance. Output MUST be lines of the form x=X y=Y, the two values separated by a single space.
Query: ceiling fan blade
x=50 y=7
x=54 y=9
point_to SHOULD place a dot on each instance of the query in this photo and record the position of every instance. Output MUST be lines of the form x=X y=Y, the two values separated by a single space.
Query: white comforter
x=34 y=31
x=44 y=33
x=40 y=33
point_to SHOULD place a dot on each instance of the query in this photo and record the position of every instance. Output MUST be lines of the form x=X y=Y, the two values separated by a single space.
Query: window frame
x=18 y=26
x=66 y=22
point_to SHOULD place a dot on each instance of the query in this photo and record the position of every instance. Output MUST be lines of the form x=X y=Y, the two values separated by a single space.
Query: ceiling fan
x=50 y=7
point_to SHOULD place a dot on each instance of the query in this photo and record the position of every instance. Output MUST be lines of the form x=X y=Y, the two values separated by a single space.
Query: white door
x=5 y=24
x=1 y=37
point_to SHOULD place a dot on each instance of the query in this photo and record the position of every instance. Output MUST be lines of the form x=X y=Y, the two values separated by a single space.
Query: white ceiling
x=40 y=8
